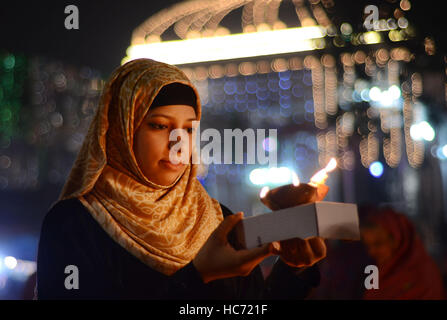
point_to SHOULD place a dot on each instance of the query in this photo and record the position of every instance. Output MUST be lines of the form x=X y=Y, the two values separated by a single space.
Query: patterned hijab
x=163 y=226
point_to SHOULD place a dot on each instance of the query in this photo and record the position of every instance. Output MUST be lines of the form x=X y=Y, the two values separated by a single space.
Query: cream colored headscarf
x=163 y=226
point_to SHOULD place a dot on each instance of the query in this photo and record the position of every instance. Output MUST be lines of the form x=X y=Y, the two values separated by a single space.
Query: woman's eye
x=157 y=126
x=190 y=130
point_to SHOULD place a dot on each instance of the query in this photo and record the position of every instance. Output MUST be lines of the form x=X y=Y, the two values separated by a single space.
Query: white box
x=329 y=220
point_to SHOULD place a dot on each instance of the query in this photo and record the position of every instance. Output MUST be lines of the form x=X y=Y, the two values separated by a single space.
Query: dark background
x=105 y=26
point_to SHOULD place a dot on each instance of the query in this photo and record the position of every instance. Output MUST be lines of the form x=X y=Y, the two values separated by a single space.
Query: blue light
x=309 y=106
x=250 y=87
x=269 y=144
x=230 y=87
x=356 y=96
x=285 y=84
x=262 y=94
x=365 y=95
x=441 y=152
x=307 y=79
x=285 y=102
x=285 y=75
x=273 y=85
x=376 y=169
x=298 y=90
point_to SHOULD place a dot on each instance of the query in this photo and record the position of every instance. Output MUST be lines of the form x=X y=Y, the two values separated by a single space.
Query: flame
x=332 y=164
x=295 y=179
x=264 y=191
x=321 y=176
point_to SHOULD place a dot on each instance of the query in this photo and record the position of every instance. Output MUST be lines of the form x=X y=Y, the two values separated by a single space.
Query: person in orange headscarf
x=406 y=271
x=132 y=223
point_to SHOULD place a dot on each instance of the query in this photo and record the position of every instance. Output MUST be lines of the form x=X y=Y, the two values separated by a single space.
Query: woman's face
x=151 y=145
x=379 y=243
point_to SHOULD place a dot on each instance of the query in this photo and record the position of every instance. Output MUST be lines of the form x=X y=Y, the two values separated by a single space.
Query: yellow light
x=331 y=165
x=295 y=179
x=321 y=176
x=372 y=37
x=264 y=191
x=229 y=47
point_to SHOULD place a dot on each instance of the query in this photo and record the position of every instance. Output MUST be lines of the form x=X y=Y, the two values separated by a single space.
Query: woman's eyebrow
x=169 y=117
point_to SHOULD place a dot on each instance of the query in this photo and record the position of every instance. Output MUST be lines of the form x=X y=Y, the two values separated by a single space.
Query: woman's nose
x=181 y=141
x=173 y=143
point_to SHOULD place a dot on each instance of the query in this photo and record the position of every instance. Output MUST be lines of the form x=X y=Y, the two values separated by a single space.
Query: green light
x=6 y=115
x=20 y=62
x=8 y=80
x=9 y=62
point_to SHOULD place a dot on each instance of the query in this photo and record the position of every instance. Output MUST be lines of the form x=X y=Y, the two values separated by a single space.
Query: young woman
x=131 y=223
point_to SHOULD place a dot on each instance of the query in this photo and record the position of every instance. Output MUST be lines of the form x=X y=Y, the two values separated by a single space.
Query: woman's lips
x=169 y=165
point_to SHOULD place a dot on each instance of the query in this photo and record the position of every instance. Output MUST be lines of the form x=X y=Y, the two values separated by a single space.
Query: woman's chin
x=166 y=177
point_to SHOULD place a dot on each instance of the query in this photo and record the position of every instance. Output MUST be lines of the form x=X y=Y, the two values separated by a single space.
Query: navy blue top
x=71 y=236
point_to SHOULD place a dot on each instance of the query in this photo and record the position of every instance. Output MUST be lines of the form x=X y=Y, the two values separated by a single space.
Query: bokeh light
x=376 y=169
x=10 y=262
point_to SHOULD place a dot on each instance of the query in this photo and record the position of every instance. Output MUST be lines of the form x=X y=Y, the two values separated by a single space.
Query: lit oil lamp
x=297 y=193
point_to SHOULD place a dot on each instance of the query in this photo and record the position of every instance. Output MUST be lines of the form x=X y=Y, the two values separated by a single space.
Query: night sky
x=37 y=27
x=105 y=28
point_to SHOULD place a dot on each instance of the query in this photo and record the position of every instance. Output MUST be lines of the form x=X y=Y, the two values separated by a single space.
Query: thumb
x=228 y=224
x=256 y=255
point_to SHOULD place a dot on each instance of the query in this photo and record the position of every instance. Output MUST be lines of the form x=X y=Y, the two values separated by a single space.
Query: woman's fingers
x=307 y=253
x=227 y=225
x=252 y=257
x=298 y=252
x=276 y=247
x=318 y=247
x=257 y=253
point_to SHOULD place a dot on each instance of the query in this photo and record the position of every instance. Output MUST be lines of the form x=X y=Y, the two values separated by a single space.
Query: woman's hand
x=297 y=252
x=217 y=259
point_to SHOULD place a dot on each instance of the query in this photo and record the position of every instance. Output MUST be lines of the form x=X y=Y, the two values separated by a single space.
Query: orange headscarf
x=411 y=273
x=163 y=226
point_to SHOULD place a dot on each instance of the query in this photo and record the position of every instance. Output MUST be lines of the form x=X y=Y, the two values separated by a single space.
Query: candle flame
x=264 y=191
x=321 y=176
x=295 y=179
x=331 y=165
